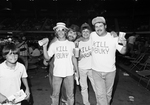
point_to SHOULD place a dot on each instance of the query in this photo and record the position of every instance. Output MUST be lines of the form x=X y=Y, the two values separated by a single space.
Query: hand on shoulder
x=114 y=34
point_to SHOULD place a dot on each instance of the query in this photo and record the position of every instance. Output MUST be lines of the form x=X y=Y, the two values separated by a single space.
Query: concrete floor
x=125 y=87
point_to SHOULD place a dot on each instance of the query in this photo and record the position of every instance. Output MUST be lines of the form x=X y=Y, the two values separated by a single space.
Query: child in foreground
x=11 y=74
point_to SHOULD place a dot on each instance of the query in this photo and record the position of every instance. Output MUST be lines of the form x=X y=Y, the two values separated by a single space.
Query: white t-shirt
x=104 y=52
x=85 y=52
x=10 y=79
x=63 y=52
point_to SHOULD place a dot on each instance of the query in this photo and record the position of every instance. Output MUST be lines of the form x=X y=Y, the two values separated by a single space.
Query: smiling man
x=104 y=47
x=64 y=63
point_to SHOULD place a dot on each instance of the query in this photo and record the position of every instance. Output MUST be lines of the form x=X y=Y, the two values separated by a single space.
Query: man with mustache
x=104 y=47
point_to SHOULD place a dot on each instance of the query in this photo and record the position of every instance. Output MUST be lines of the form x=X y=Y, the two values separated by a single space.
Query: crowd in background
x=31 y=54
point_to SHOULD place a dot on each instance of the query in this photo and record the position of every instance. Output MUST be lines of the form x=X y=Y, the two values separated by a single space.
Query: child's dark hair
x=10 y=47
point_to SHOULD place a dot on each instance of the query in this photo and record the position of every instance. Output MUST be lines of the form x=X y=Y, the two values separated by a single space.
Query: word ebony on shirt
x=86 y=55
x=85 y=51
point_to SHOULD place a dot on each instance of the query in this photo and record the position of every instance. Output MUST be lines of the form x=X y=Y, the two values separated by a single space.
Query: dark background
x=121 y=15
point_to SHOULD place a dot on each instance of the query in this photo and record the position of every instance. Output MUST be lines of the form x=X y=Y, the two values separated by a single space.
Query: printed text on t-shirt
x=61 y=52
x=100 y=47
x=85 y=51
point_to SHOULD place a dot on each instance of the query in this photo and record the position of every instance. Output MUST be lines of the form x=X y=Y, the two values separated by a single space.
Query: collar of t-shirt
x=9 y=68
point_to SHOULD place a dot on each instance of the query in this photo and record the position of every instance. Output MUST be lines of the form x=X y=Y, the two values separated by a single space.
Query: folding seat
x=135 y=63
x=145 y=65
x=144 y=71
x=144 y=76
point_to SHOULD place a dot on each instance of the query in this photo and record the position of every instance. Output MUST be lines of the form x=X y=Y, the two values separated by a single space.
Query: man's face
x=60 y=32
x=12 y=57
x=72 y=35
x=100 y=28
x=86 y=33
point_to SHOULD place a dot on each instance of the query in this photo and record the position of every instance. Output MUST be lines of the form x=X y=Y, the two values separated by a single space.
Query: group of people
x=96 y=61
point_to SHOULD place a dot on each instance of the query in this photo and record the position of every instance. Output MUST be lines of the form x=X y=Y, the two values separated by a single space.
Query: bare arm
x=123 y=50
x=79 y=39
x=75 y=64
x=45 y=53
x=27 y=91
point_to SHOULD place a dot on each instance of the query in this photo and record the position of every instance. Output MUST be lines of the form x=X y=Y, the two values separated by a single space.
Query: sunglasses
x=60 y=29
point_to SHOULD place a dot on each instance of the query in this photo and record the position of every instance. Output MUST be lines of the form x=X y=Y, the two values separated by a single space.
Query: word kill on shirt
x=62 y=52
x=100 y=48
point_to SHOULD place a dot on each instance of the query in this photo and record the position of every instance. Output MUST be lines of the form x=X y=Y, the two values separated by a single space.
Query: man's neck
x=103 y=34
x=85 y=39
x=61 y=39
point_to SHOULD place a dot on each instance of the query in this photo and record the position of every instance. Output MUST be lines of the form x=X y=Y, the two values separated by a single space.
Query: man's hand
x=114 y=34
x=45 y=62
x=43 y=42
x=122 y=39
x=124 y=42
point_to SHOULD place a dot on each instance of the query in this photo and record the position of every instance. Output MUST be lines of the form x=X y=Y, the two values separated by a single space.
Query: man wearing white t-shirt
x=84 y=62
x=64 y=64
x=104 y=47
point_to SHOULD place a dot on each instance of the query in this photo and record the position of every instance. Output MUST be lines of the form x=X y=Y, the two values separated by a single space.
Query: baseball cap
x=85 y=26
x=98 y=19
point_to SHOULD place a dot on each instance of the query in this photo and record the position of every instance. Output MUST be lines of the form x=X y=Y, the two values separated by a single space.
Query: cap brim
x=60 y=27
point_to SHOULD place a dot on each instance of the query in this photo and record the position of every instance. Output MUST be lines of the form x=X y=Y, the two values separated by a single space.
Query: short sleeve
x=51 y=50
x=24 y=72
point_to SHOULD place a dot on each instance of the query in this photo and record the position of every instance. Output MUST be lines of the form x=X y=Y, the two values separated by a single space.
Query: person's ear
x=4 y=56
x=105 y=26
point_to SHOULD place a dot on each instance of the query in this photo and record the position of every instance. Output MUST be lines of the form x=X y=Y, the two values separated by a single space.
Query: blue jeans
x=84 y=86
x=69 y=85
x=63 y=92
x=104 y=82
